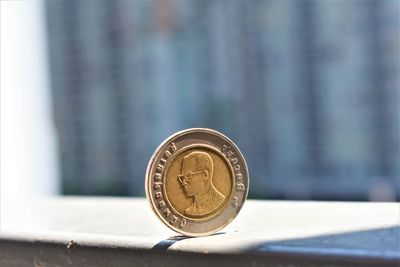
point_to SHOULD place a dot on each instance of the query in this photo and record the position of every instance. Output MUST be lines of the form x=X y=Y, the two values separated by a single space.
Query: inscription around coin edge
x=239 y=184
x=157 y=187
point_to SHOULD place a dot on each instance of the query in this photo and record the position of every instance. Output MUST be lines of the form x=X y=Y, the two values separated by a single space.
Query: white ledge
x=265 y=232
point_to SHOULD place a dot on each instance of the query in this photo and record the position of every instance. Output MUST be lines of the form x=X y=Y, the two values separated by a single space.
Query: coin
x=197 y=181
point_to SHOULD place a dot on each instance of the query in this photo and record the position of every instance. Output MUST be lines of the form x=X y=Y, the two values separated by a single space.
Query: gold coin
x=197 y=181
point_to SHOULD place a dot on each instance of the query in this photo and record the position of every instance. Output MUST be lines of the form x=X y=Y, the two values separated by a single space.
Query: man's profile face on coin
x=196 y=176
x=193 y=182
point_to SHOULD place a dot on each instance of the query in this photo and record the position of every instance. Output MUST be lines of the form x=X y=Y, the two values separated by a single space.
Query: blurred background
x=309 y=91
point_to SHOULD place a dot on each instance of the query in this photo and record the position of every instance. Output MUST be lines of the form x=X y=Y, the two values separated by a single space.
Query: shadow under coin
x=166 y=243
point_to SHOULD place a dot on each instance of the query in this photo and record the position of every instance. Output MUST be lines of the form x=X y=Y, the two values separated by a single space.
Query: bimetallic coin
x=197 y=181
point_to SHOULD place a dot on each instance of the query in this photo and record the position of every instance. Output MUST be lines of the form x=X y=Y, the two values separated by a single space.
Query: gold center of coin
x=198 y=182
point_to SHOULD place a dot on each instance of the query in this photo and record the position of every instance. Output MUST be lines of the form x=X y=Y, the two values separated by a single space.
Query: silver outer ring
x=158 y=163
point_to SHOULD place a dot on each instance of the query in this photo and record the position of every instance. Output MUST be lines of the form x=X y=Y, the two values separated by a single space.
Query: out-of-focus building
x=309 y=91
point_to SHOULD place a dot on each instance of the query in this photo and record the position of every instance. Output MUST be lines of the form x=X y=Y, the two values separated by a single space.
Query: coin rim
x=152 y=162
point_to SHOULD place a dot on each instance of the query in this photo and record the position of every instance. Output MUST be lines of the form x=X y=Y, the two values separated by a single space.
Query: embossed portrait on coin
x=196 y=179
